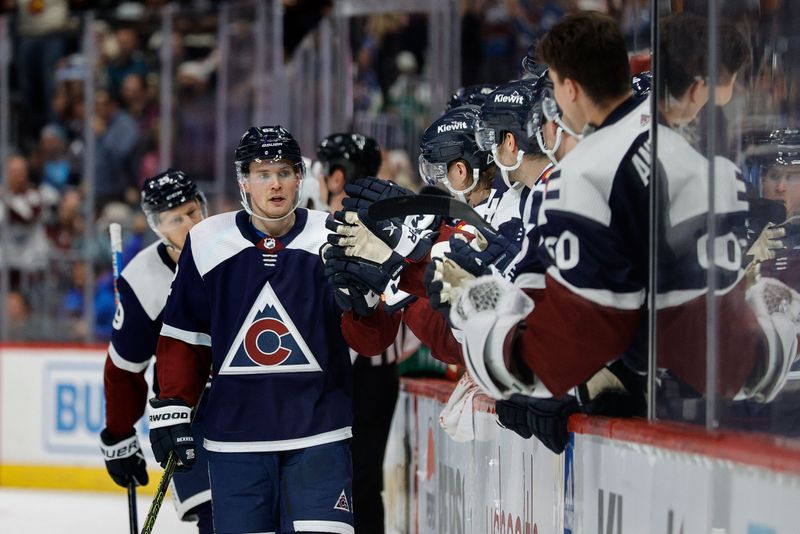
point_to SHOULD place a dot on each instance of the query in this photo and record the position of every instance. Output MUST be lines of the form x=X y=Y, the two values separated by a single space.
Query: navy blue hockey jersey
x=281 y=367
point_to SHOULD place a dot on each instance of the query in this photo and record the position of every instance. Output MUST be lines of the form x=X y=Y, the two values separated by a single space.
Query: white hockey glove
x=486 y=311
x=386 y=242
x=770 y=240
x=777 y=309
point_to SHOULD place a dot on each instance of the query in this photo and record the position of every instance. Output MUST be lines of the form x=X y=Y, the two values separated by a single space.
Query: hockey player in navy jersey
x=250 y=302
x=173 y=205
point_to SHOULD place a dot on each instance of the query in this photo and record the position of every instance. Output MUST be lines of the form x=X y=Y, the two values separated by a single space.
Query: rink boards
x=617 y=477
x=51 y=413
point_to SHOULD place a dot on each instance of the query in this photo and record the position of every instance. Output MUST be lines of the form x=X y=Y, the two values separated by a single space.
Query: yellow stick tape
x=68 y=478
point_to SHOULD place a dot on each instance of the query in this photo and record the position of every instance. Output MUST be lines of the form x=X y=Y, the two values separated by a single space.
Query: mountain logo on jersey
x=268 y=342
x=342 y=503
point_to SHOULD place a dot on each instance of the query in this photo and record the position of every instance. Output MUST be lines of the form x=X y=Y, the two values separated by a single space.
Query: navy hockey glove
x=124 y=459
x=362 y=193
x=544 y=418
x=171 y=430
x=351 y=292
x=484 y=254
x=385 y=243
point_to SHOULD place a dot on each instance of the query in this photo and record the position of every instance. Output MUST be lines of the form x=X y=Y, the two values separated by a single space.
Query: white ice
x=73 y=512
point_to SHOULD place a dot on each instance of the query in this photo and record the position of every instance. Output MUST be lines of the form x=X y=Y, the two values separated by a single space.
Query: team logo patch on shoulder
x=268 y=342
x=342 y=503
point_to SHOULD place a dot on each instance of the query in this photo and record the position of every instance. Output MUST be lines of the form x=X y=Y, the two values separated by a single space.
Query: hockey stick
x=161 y=491
x=442 y=206
x=115 y=232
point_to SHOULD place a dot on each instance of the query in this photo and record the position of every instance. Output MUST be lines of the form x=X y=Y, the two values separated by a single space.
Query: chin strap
x=550 y=152
x=462 y=194
x=505 y=169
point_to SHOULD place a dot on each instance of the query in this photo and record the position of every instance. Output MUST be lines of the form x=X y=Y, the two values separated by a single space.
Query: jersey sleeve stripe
x=120 y=362
x=192 y=338
x=335 y=527
x=604 y=297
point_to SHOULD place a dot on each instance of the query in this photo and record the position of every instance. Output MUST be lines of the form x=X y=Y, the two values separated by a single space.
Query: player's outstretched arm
x=433 y=331
x=370 y=335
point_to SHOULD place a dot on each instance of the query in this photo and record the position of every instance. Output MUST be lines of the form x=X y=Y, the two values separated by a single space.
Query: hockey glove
x=383 y=243
x=487 y=310
x=364 y=192
x=545 y=418
x=124 y=459
x=171 y=430
x=777 y=309
x=351 y=292
x=483 y=254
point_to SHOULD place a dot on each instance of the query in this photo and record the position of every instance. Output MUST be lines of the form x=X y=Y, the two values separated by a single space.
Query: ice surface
x=73 y=512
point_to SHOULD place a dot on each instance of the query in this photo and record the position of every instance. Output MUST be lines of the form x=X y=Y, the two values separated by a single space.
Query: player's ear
x=510 y=142
x=698 y=91
x=462 y=169
x=572 y=89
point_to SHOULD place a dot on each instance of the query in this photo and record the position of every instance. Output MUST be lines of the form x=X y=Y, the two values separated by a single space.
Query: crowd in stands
x=44 y=194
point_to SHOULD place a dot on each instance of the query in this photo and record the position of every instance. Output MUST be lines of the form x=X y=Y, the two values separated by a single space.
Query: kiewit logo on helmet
x=461 y=125
x=513 y=98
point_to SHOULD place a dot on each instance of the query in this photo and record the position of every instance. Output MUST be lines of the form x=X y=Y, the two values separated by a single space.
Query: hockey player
x=518 y=345
x=251 y=303
x=449 y=156
x=173 y=205
x=346 y=157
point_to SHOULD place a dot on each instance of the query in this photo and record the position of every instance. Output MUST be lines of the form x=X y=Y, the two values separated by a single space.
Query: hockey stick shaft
x=428 y=205
x=161 y=492
x=115 y=233
x=163 y=484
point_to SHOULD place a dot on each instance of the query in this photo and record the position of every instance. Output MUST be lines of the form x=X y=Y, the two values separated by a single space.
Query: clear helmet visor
x=553 y=114
x=297 y=170
x=431 y=172
x=485 y=137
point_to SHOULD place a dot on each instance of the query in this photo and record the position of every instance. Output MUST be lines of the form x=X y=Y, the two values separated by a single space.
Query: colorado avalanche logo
x=268 y=342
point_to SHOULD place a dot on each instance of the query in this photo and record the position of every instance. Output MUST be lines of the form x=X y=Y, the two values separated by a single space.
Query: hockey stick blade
x=428 y=205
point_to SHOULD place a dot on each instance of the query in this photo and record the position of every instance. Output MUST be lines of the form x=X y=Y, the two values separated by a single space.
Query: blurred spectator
x=195 y=121
x=117 y=135
x=20 y=326
x=137 y=102
x=72 y=305
x=129 y=60
x=57 y=169
x=41 y=26
x=20 y=210
x=66 y=230
x=499 y=60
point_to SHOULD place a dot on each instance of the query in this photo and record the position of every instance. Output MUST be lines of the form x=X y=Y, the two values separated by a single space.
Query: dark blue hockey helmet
x=514 y=107
x=530 y=67
x=448 y=139
x=168 y=190
x=267 y=143
x=474 y=95
x=357 y=155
